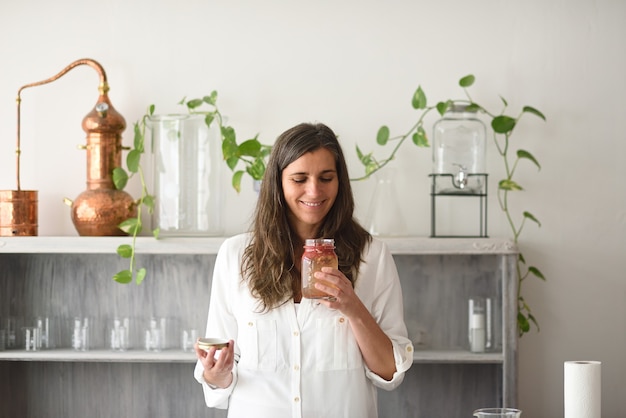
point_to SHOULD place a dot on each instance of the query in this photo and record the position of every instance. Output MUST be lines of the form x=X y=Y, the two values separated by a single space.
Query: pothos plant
x=250 y=152
x=502 y=126
x=134 y=226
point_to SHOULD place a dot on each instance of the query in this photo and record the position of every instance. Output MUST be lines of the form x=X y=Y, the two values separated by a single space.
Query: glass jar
x=459 y=151
x=187 y=163
x=318 y=253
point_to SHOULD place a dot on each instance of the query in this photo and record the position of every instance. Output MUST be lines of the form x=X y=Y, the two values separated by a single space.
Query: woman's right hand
x=217 y=371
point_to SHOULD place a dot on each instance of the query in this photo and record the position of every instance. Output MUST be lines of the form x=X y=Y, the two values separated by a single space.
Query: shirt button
x=296 y=333
x=342 y=320
x=250 y=324
x=296 y=399
x=296 y=367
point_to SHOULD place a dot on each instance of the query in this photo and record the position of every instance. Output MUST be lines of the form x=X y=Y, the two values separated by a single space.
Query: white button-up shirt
x=302 y=362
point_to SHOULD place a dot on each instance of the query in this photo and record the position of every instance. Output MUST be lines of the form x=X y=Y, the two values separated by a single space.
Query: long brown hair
x=270 y=256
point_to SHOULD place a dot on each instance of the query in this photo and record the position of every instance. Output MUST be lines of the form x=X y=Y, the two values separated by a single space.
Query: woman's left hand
x=339 y=289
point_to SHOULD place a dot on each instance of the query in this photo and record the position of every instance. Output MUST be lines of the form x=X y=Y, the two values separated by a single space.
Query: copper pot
x=18 y=213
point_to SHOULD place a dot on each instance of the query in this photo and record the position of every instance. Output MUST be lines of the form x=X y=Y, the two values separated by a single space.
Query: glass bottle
x=459 y=151
x=318 y=253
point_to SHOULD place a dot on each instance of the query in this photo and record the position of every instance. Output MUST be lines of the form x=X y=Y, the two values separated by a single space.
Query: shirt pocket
x=258 y=344
x=335 y=346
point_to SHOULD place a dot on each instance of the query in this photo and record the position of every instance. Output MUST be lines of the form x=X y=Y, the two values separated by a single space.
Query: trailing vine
x=502 y=126
x=134 y=226
x=250 y=152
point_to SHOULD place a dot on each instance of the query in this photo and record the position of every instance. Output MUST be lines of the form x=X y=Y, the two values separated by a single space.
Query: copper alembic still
x=98 y=210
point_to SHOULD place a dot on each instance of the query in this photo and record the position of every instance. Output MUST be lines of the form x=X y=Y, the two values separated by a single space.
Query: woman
x=290 y=356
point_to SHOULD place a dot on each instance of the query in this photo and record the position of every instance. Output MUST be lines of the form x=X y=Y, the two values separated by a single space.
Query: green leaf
x=192 y=104
x=141 y=274
x=237 y=180
x=256 y=169
x=366 y=158
x=125 y=251
x=522 y=323
x=535 y=271
x=208 y=119
x=120 y=178
x=230 y=148
x=527 y=155
x=382 y=136
x=419 y=99
x=211 y=99
x=467 y=81
x=504 y=101
x=228 y=134
x=131 y=226
x=442 y=107
x=251 y=148
x=359 y=154
x=151 y=110
x=509 y=185
x=156 y=232
x=530 y=216
x=503 y=124
x=419 y=137
x=148 y=201
x=474 y=107
x=124 y=277
x=371 y=167
x=138 y=139
x=133 y=159
x=232 y=162
x=534 y=111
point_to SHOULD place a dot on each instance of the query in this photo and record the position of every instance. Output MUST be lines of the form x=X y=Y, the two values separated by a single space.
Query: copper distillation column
x=101 y=208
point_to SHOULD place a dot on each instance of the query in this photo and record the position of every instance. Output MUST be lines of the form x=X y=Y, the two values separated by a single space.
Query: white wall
x=354 y=65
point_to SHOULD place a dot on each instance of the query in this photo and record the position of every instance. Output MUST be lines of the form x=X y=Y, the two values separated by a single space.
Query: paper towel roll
x=582 y=389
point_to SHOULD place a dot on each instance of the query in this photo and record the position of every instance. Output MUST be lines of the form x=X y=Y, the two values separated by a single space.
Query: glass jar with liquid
x=318 y=253
x=459 y=151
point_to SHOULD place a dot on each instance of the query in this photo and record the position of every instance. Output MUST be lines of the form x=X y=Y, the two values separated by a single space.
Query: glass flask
x=187 y=176
x=384 y=217
x=459 y=151
x=318 y=253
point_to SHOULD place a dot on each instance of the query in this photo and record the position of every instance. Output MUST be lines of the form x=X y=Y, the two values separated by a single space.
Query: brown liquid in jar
x=318 y=253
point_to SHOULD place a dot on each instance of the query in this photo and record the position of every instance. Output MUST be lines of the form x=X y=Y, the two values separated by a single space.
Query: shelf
x=100 y=356
x=178 y=356
x=456 y=356
x=210 y=245
x=438 y=276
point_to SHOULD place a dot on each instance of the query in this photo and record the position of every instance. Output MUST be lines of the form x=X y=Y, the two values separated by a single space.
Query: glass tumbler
x=497 y=413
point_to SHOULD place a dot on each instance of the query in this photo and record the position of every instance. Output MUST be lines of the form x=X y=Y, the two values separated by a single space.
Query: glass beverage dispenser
x=459 y=153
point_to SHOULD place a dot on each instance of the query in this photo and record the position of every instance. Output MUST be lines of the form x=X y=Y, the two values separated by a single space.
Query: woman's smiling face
x=310 y=187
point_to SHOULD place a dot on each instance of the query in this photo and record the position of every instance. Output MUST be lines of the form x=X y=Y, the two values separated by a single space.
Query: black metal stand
x=455 y=191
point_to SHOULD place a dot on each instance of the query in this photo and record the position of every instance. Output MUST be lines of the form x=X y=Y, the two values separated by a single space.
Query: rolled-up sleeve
x=385 y=292
x=214 y=398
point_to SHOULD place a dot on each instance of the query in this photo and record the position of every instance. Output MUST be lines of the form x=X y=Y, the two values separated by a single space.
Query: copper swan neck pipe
x=103 y=88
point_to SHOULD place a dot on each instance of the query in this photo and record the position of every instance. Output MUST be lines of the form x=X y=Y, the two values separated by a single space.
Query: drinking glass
x=497 y=413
